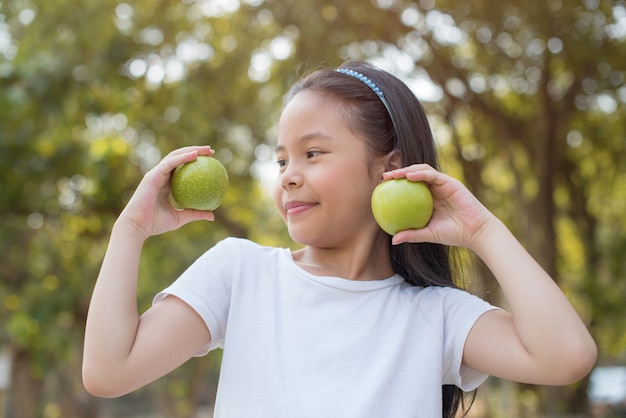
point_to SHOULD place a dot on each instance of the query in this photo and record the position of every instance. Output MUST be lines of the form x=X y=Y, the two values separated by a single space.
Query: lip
x=294 y=207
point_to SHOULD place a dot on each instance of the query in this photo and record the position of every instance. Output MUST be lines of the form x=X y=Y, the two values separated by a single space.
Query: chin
x=300 y=239
x=322 y=244
x=305 y=238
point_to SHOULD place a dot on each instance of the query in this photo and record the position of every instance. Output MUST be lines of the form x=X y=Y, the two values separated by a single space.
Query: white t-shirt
x=298 y=345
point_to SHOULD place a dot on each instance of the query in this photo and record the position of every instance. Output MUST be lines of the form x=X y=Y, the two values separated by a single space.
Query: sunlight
x=617 y=30
x=26 y=16
x=281 y=47
x=191 y=50
x=7 y=47
x=260 y=65
x=123 y=17
x=218 y=8
x=444 y=28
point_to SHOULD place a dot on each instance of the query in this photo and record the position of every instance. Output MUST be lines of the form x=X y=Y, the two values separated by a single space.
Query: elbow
x=98 y=383
x=92 y=383
x=578 y=361
x=588 y=356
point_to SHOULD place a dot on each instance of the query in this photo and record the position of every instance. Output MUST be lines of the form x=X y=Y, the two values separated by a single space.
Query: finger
x=201 y=149
x=182 y=156
x=189 y=215
x=415 y=172
x=412 y=235
x=428 y=175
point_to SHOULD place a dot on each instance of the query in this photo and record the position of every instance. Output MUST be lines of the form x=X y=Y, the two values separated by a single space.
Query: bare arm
x=542 y=340
x=122 y=350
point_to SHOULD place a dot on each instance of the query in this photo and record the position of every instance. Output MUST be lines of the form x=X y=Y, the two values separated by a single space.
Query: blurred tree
x=90 y=98
x=528 y=104
x=533 y=104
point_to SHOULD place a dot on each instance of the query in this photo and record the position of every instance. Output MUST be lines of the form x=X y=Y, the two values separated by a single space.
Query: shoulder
x=449 y=304
x=241 y=245
x=225 y=255
x=232 y=252
x=445 y=295
x=234 y=242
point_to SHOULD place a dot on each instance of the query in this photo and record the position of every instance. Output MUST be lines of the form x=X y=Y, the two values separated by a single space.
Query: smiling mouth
x=294 y=208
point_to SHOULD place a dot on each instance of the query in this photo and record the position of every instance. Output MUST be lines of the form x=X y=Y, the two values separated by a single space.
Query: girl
x=356 y=323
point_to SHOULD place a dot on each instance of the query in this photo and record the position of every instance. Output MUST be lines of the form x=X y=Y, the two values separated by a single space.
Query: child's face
x=325 y=182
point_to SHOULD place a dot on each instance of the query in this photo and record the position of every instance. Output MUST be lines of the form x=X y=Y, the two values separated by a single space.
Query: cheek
x=277 y=195
x=364 y=178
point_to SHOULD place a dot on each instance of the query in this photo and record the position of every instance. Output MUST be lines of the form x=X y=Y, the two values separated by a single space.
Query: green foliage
x=529 y=110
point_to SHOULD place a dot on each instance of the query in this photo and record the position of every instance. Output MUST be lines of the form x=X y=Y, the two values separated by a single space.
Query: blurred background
x=527 y=102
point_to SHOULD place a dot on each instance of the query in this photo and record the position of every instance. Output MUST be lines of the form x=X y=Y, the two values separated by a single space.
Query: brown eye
x=312 y=154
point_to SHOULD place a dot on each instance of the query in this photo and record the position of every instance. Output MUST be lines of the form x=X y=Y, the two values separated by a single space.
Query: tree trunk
x=25 y=389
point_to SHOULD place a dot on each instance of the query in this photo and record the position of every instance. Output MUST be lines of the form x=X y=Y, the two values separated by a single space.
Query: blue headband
x=369 y=83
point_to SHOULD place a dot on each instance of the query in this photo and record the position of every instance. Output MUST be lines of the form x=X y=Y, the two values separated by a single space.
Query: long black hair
x=398 y=122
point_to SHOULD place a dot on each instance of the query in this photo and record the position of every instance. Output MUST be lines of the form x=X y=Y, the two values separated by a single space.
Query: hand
x=149 y=210
x=459 y=219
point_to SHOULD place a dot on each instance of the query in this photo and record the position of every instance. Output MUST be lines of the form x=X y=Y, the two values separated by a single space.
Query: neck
x=362 y=261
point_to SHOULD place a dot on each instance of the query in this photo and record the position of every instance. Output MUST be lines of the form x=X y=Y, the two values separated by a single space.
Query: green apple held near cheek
x=200 y=184
x=401 y=204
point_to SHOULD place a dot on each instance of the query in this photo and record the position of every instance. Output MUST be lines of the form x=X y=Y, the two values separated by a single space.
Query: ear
x=393 y=160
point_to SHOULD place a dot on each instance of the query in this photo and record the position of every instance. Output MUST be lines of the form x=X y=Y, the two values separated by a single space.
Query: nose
x=291 y=176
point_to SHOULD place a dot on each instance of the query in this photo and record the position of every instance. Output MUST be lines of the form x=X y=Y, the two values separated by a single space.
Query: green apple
x=401 y=204
x=200 y=184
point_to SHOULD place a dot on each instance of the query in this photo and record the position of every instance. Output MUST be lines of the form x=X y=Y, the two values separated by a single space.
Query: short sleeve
x=462 y=310
x=206 y=287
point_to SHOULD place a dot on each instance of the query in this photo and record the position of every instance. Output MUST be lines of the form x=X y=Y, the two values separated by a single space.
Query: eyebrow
x=306 y=138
